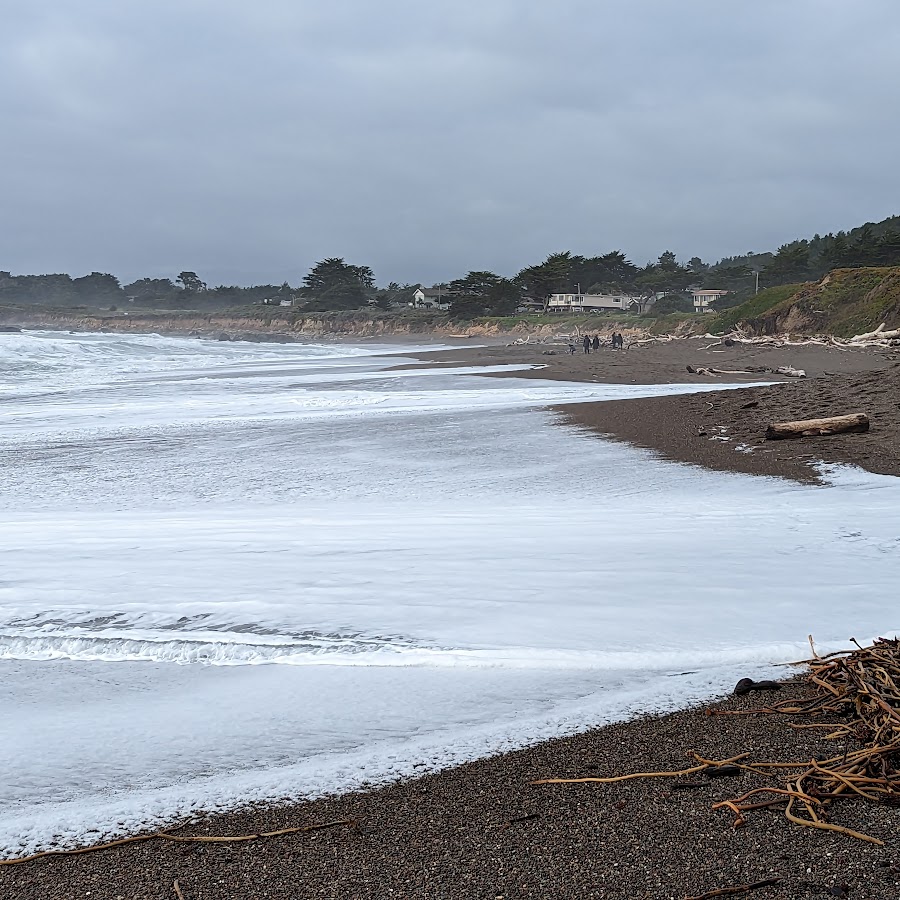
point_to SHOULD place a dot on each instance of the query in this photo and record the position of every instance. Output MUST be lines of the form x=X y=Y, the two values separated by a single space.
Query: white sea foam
x=245 y=572
x=238 y=650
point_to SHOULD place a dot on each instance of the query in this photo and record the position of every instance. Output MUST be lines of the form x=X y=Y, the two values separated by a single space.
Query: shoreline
x=481 y=829
x=724 y=430
x=484 y=830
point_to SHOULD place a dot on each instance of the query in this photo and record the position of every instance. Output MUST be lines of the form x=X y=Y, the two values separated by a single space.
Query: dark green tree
x=887 y=251
x=835 y=251
x=339 y=297
x=334 y=284
x=51 y=290
x=609 y=273
x=672 y=303
x=790 y=264
x=151 y=291
x=98 y=288
x=697 y=266
x=471 y=294
x=504 y=298
x=190 y=282
x=483 y=294
x=737 y=279
x=552 y=276
x=394 y=295
x=865 y=247
x=665 y=275
x=333 y=271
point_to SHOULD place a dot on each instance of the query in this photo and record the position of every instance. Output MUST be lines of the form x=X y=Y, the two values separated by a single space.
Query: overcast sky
x=245 y=139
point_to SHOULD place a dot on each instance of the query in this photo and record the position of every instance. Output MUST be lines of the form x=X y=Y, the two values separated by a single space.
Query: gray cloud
x=245 y=140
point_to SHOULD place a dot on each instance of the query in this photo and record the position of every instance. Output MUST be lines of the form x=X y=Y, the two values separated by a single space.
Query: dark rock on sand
x=766 y=685
x=746 y=685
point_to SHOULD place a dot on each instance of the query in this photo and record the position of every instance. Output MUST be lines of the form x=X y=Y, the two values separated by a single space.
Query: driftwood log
x=712 y=371
x=790 y=372
x=878 y=339
x=879 y=334
x=817 y=427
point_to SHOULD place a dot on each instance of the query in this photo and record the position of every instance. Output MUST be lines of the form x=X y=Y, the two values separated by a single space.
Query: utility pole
x=756 y=273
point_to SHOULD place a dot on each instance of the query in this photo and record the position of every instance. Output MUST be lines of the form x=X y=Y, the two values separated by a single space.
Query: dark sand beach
x=707 y=429
x=483 y=830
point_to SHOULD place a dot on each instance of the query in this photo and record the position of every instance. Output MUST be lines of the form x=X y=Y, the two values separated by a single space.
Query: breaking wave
x=47 y=363
x=310 y=648
x=202 y=649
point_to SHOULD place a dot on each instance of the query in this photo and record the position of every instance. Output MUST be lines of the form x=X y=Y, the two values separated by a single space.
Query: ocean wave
x=218 y=650
x=44 y=362
x=116 y=637
x=337 y=649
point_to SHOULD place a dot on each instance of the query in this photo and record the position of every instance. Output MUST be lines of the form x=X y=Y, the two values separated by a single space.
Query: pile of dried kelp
x=857 y=694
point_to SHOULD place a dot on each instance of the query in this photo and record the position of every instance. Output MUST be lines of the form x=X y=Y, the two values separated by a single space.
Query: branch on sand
x=857 y=694
x=191 y=839
x=712 y=371
x=879 y=334
x=737 y=889
x=853 y=422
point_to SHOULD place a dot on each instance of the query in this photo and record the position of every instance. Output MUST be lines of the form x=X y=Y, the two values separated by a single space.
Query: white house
x=703 y=299
x=431 y=298
x=593 y=303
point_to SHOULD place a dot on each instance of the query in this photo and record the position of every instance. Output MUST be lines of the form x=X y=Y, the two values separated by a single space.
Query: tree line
x=334 y=284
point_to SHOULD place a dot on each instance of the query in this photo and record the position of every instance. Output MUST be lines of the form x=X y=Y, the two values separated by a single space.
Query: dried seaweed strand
x=737 y=889
x=167 y=836
x=861 y=687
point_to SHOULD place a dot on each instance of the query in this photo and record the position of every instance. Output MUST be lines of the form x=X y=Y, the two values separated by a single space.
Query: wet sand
x=483 y=831
x=725 y=430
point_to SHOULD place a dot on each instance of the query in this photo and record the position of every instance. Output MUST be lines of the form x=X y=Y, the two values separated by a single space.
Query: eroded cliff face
x=277 y=327
x=845 y=302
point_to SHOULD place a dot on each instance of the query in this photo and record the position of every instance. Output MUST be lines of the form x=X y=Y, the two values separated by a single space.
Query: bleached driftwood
x=870 y=335
x=855 y=422
x=787 y=371
x=712 y=372
x=659 y=339
x=875 y=339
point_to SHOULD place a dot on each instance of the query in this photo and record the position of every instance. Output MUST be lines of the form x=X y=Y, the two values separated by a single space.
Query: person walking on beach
x=595 y=344
x=586 y=343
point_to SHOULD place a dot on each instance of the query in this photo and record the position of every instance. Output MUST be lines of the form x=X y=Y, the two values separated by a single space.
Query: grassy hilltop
x=845 y=302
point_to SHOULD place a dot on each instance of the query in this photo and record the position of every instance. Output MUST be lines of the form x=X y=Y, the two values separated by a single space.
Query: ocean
x=235 y=572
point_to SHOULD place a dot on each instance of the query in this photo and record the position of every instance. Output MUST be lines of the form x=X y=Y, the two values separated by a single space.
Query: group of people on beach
x=588 y=344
